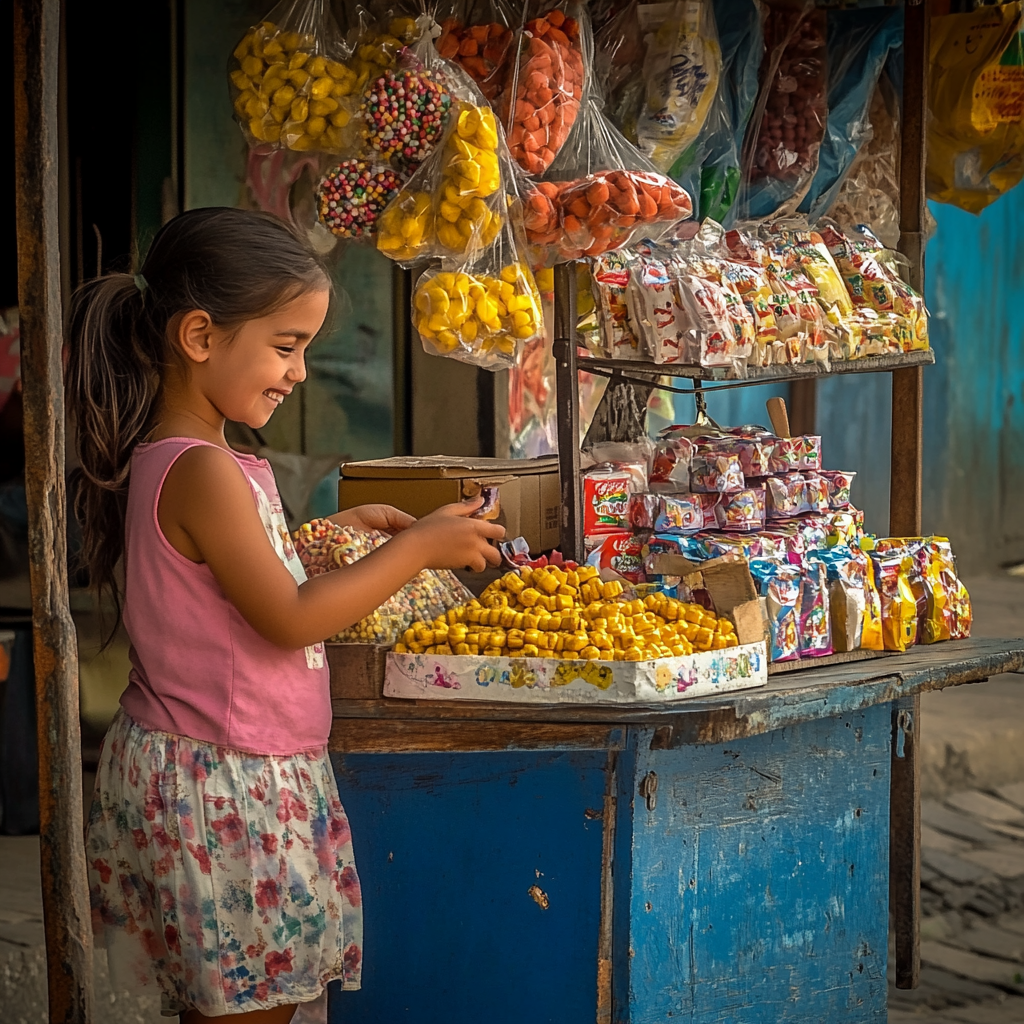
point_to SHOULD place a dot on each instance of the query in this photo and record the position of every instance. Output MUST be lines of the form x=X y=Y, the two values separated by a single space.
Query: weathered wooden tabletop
x=367 y=723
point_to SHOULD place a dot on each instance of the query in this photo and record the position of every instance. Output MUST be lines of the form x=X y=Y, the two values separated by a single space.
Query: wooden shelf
x=763 y=374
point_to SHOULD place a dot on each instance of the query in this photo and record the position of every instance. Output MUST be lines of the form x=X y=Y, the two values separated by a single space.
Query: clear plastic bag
x=455 y=205
x=780 y=154
x=480 y=312
x=710 y=169
x=870 y=192
x=323 y=546
x=290 y=87
x=479 y=39
x=374 y=47
x=599 y=195
x=351 y=196
x=545 y=84
x=859 y=42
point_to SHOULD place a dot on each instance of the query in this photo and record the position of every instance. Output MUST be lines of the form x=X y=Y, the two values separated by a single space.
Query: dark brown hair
x=235 y=265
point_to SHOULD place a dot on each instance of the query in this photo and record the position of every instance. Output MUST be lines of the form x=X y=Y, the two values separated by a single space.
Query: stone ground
x=972 y=870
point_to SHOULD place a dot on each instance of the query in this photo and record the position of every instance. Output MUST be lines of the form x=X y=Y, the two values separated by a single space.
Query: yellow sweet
x=289 y=96
x=504 y=621
x=487 y=316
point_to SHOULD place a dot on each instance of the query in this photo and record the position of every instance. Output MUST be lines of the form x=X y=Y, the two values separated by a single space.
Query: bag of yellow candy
x=482 y=312
x=289 y=84
x=374 y=49
x=455 y=204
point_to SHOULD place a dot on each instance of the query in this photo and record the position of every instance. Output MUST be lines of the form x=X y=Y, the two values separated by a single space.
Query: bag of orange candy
x=599 y=195
x=455 y=204
x=290 y=87
x=544 y=84
x=479 y=40
x=480 y=311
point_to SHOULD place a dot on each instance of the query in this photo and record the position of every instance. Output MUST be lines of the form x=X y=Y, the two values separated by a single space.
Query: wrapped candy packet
x=323 y=546
x=780 y=587
x=606 y=492
x=622 y=552
x=899 y=605
x=741 y=512
x=839 y=482
x=715 y=472
x=670 y=464
x=666 y=513
x=815 y=623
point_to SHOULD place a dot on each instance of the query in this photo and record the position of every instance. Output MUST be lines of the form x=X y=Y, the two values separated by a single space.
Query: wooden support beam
x=65 y=889
x=905 y=500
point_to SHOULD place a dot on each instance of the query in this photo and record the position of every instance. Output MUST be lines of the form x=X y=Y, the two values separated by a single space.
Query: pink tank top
x=198 y=668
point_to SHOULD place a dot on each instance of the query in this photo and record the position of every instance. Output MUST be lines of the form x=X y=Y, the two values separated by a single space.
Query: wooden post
x=65 y=889
x=567 y=386
x=905 y=501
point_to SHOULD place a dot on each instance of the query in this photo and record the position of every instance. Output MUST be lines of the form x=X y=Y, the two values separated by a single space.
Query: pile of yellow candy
x=483 y=315
x=570 y=614
x=287 y=94
x=456 y=216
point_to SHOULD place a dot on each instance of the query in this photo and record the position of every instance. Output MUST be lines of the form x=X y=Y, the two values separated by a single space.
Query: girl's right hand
x=450 y=539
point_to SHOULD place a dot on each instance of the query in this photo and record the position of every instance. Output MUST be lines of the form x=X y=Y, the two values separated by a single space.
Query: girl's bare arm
x=207 y=514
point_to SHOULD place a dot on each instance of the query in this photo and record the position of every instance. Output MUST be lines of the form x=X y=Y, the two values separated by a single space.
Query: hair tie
x=141 y=283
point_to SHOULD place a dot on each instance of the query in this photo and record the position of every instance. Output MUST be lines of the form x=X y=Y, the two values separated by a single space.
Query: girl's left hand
x=374 y=517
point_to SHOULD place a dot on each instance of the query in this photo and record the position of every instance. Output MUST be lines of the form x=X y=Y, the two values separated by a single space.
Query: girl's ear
x=194 y=334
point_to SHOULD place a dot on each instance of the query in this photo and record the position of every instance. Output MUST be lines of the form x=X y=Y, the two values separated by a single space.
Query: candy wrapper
x=611 y=278
x=621 y=552
x=793 y=494
x=545 y=85
x=872 y=638
x=742 y=512
x=322 y=546
x=809 y=452
x=845 y=572
x=839 y=483
x=780 y=586
x=680 y=513
x=786 y=129
x=785 y=455
x=656 y=312
x=670 y=465
x=290 y=87
x=481 y=44
x=606 y=500
x=815 y=622
x=715 y=472
x=899 y=605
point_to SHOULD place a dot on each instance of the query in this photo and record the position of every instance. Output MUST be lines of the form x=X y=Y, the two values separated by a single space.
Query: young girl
x=220 y=857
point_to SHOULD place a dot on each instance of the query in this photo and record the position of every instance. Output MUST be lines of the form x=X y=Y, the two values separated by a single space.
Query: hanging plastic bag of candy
x=545 y=83
x=780 y=152
x=455 y=204
x=658 y=316
x=619 y=49
x=869 y=194
x=976 y=106
x=481 y=311
x=479 y=39
x=290 y=87
x=352 y=195
x=323 y=546
x=599 y=195
x=374 y=45
x=709 y=169
x=859 y=42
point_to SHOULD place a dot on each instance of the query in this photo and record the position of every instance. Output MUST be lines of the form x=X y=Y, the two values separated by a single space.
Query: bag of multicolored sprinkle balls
x=322 y=546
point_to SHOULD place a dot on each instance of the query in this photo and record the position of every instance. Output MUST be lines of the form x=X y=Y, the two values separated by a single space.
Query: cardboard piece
x=730 y=585
x=554 y=681
x=528 y=490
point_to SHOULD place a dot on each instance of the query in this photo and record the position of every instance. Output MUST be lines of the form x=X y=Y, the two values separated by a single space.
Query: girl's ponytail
x=235 y=265
x=113 y=378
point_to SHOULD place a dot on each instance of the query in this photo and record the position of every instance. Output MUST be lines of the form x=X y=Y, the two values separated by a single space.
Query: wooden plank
x=65 y=889
x=568 y=410
x=377 y=736
x=760 y=374
x=843 y=658
x=357 y=670
x=803 y=405
x=905 y=494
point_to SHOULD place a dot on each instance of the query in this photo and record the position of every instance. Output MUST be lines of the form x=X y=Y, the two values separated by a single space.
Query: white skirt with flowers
x=225 y=878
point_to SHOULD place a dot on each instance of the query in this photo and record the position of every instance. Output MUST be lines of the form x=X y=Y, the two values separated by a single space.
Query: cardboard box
x=553 y=681
x=730 y=585
x=528 y=488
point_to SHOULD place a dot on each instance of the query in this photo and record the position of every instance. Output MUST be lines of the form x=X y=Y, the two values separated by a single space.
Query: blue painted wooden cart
x=719 y=861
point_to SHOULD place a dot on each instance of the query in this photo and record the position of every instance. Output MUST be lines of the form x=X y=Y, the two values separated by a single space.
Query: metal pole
x=905 y=503
x=65 y=889
x=567 y=399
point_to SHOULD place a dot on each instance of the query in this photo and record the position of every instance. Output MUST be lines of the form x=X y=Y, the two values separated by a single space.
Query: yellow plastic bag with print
x=976 y=106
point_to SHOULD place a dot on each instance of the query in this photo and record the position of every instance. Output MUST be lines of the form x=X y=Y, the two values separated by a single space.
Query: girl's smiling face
x=245 y=373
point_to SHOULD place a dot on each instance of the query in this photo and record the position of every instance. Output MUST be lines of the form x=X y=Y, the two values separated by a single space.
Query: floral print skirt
x=225 y=878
